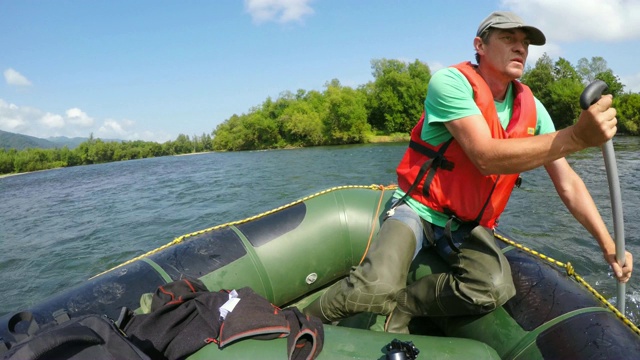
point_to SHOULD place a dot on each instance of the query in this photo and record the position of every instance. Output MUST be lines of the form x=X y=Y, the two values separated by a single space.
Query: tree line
x=97 y=151
x=393 y=102
x=389 y=105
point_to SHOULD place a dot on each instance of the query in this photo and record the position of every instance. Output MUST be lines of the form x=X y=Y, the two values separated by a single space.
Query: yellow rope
x=180 y=239
x=572 y=273
x=373 y=224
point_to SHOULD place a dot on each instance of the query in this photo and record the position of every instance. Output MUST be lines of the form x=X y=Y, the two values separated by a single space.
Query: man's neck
x=498 y=83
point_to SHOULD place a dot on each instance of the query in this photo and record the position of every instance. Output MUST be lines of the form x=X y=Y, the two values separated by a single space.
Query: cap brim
x=533 y=33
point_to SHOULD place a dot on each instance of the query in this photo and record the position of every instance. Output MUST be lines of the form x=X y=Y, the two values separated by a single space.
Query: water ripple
x=60 y=227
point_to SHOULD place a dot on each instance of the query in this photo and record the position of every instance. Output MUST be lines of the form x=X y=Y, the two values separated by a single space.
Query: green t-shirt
x=450 y=97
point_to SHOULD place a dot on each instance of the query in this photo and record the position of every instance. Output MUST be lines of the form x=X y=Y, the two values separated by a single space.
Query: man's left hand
x=621 y=273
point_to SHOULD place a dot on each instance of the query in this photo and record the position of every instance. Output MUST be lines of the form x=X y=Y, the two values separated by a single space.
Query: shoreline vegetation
x=373 y=139
x=383 y=110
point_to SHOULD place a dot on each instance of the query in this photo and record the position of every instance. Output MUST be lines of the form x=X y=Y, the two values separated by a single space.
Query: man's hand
x=596 y=125
x=621 y=273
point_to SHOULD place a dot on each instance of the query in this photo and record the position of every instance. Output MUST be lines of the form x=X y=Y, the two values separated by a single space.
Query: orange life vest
x=454 y=186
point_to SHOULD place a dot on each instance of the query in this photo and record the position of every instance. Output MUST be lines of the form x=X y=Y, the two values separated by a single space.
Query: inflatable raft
x=290 y=254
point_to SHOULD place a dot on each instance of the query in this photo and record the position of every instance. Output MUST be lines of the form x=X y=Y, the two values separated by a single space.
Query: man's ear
x=478 y=45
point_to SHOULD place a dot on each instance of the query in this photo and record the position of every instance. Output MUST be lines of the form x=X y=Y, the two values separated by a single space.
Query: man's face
x=506 y=52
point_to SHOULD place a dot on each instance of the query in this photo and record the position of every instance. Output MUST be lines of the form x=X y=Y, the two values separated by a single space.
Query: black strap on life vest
x=486 y=203
x=437 y=160
x=484 y=207
x=437 y=156
x=453 y=218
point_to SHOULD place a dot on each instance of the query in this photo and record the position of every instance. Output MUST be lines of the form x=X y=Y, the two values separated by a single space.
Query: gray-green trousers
x=478 y=282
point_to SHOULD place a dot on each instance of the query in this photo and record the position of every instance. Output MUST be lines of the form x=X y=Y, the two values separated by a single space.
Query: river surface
x=60 y=227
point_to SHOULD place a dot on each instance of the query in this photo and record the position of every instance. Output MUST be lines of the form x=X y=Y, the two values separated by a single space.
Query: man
x=476 y=135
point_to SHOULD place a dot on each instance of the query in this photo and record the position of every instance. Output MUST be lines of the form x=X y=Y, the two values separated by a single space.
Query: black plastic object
x=592 y=93
x=402 y=350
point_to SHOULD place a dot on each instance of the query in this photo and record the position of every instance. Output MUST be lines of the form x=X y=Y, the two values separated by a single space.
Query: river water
x=60 y=227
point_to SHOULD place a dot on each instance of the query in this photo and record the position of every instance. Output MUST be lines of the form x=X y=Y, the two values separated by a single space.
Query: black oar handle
x=592 y=93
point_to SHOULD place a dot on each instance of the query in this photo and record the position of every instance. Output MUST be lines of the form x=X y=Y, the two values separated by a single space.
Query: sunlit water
x=59 y=227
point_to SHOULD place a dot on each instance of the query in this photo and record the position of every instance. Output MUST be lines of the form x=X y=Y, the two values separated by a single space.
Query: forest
x=388 y=106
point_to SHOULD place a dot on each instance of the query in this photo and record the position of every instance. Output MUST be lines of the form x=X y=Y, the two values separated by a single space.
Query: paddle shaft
x=589 y=96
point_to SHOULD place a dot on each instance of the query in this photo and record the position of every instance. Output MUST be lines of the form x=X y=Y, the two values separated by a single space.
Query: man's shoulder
x=449 y=81
x=448 y=74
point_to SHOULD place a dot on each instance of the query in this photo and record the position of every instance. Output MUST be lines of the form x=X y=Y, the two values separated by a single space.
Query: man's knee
x=487 y=274
x=486 y=296
x=343 y=299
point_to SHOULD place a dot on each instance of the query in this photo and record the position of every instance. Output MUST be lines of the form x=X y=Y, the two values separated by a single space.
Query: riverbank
x=28 y=172
x=397 y=137
x=12 y=174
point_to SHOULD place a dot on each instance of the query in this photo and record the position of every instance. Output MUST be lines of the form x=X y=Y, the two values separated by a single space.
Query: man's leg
x=479 y=281
x=372 y=285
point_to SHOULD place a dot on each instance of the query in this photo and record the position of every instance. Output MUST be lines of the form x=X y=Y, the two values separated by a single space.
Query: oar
x=590 y=95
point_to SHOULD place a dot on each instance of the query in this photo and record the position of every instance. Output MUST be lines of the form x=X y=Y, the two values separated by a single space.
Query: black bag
x=89 y=337
x=185 y=317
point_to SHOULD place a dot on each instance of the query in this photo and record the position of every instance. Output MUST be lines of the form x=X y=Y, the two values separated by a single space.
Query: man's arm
x=508 y=156
x=578 y=200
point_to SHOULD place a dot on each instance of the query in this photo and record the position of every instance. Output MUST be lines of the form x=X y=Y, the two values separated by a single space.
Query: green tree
x=262 y=132
x=6 y=161
x=274 y=109
x=69 y=157
x=589 y=69
x=301 y=124
x=82 y=153
x=616 y=88
x=345 y=121
x=223 y=135
x=564 y=105
x=597 y=69
x=564 y=70
x=539 y=77
x=628 y=107
x=32 y=160
x=558 y=86
x=396 y=95
x=207 y=144
x=101 y=152
x=182 y=144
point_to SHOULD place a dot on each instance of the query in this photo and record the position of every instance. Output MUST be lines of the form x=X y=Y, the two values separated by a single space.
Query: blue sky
x=153 y=69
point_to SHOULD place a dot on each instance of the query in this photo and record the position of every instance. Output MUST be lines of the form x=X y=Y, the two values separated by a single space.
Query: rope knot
x=570 y=269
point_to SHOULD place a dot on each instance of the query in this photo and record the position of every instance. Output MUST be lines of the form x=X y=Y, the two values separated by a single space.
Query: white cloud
x=281 y=11
x=435 y=66
x=52 y=121
x=550 y=48
x=574 y=20
x=631 y=83
x=74 y=123
x=16 y=119
x=113 y=129
x=79 y=117
x=160 y=137
x=13 y=77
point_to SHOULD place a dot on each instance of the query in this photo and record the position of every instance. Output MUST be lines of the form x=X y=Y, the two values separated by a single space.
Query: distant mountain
x=19 y=142
x=71 y=143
